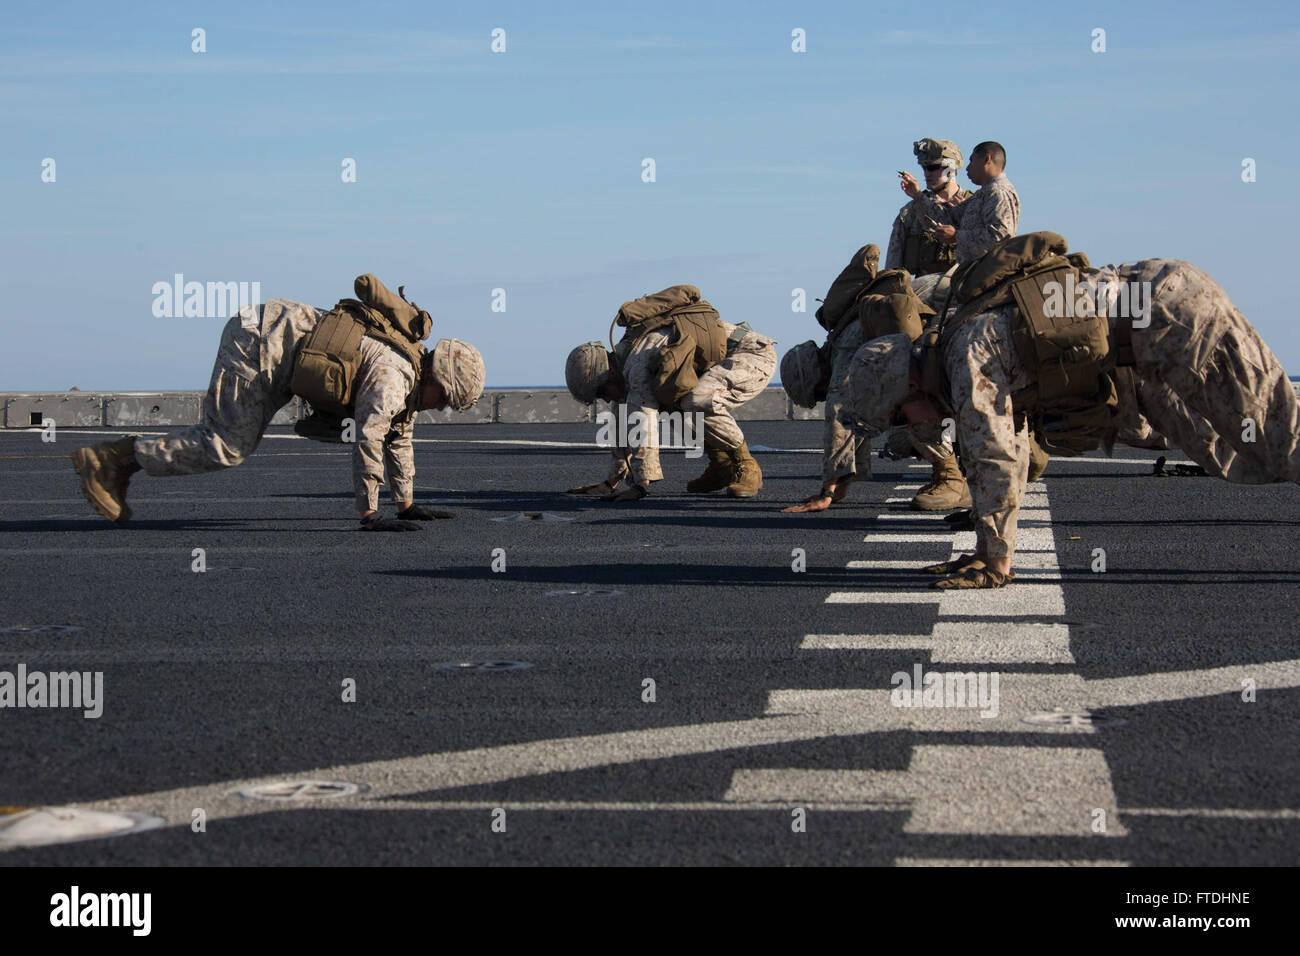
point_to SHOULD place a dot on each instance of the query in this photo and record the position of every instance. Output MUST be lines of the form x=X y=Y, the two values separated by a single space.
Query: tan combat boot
x=1038 y=459
x=947 y=490
x=105 y=470
x=749 y=477
x=717 y=476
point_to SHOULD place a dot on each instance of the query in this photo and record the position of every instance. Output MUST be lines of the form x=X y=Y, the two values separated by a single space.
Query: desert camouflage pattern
x=911 y=220
x=846 y=447
x=987 y=218
x=926 y=439
x=877 y=381
x=458 y=368
x=984 y=370
x=640 y=465
x=384 y=382
x=250 y=383
x=737 y=379
x=1203 y=371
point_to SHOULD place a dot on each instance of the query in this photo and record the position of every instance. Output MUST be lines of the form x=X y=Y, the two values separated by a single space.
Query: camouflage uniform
x=984 y=370
x=636 y=362
x=911 y=221
x=926 y=439
x=1131 y=426
x=741 y=376
x=987 y=218
x=250 y=383
x=1203 y=370
x=845 y=443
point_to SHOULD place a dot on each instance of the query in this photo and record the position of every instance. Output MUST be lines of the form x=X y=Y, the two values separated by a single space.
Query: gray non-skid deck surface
x=235 y=675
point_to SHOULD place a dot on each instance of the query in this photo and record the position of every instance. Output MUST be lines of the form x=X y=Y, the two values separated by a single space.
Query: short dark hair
x=993 y=151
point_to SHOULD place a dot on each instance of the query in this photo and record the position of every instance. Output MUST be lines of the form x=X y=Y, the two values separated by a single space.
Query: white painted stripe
x=909 y=538
x=1142 y=689
x=916 y=487
x=1212 y=813
x=1037 y=486
x=912 y=516
x=1038 y=575
x=1027 y=539
x=985 y=790
x=603 y=806
x=878 y=787
x=1023 y=597
x=885 y=597
x=870 y=710
x=893 y=564
x=976 y=642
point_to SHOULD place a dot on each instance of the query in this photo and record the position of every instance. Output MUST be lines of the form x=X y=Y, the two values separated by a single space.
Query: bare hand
x=815 y=503
x=599 y=488
x=909 y=184
x=946 y=235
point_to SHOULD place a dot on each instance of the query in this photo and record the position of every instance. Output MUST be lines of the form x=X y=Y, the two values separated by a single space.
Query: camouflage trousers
x=240 y=402
x=847 y=452
x=1207 y=381
x=846 y=444
x=737 y=379
x=926 y=439
x=984 y=370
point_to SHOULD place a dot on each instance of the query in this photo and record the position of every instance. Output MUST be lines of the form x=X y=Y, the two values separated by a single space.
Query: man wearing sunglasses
x=918 y=244
x=913 y=242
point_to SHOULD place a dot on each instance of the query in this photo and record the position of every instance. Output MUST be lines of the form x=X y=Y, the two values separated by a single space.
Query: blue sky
x=522 y=170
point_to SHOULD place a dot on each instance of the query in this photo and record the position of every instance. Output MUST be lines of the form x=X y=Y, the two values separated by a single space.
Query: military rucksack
x=328 y=359
x=697 y=340
x=1072 y=397
x=859 y=278
x=878 y=308
x=848 y=285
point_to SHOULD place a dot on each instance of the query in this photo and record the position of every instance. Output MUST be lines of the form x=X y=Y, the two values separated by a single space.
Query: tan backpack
x=328 y=358
x=848 y=285
x=697 y=340
x=1073 y=397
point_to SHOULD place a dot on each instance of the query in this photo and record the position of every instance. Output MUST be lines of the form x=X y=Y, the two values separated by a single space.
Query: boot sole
x=743 y=494
x=84 y=463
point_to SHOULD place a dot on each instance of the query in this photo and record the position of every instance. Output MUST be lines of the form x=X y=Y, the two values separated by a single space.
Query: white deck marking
x=964 y=643
x=987 y=790
x=884 y=597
